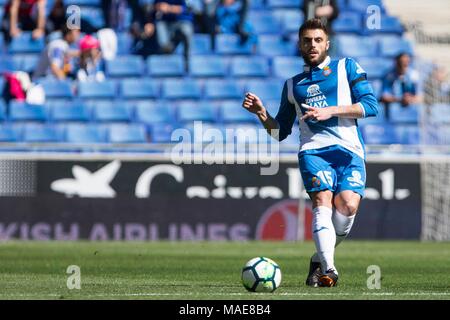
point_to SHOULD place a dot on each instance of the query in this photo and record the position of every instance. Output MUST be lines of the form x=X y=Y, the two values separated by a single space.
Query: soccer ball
x=261 y=275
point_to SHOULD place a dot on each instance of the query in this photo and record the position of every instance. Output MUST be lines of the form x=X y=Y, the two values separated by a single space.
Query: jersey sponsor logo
x=315 y=97
x=313 y=90
x=355 y=179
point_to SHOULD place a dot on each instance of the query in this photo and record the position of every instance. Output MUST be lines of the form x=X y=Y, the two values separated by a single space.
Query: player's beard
x=320 y=59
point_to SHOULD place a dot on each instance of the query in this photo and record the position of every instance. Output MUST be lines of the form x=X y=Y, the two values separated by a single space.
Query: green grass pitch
x=205 y=270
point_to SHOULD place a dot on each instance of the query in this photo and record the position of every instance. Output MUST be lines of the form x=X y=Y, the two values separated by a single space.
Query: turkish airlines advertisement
x=151 y=200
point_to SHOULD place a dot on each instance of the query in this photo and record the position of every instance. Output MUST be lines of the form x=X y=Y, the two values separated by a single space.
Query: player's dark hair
x=312 y=24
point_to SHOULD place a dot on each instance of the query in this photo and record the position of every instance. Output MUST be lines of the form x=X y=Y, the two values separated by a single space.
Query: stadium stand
x=143 y=100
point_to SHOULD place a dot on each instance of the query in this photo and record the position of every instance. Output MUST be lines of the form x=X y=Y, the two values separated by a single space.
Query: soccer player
x=327 y=97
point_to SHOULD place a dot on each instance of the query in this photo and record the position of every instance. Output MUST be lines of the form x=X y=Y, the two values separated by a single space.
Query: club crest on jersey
x=313 y=90
x=315 y=182
x=326 y=71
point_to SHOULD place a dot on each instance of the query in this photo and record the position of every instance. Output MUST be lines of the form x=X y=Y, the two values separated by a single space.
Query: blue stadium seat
x=287 y=67
x=200 y=45
x=348 y=21
x=26 y=62
x=181 y=89
x=293 y=4
x=124 y=43
x=8 y=134
x=113 y=112
x=264 y=22
x=392 y=45
x=379 y=134
x=376 y=68
x=95 y=90
x=151 y=113
x=222 y=89
x=127 y=133
x=399 y=114
x=84 y=133
x=72 y=112
x=41 y=133
x=94 y=16
x=165 y=65
x=195 y=111
x=2 y=108
x=356 y=46
x=362 y=5
x=57 y=88
x=272 y=46
x=161 y=132
x=201 y=133
x=232 y=112
x=269 y=89
x=388 y=24
x=290 y=20
x=208 y=66
x=24 y=43
x=8 y=64
x=229 y=44
x=257 y=4
x=252 y=66
x=21 y=111
x=139 y=89
x=125 y=66
x=440 y=113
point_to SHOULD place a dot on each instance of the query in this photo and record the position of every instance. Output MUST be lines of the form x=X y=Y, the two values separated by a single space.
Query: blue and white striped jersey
x=332 y=83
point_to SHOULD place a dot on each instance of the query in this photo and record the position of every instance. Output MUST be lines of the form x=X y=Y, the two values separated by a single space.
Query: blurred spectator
x=115 y=13
x=24 y=15
x=205 y=19
x=437 y=86
x=57 y=19
x=325 y=10
x=174 y=25
x=18 y=87
x=231 y=18
x=91 y=64
x=56 y=57
x=144 y=33
x=402 y=85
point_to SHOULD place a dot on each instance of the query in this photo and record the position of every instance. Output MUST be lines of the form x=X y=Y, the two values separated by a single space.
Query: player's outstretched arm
x=353 y=111
x=254 y=105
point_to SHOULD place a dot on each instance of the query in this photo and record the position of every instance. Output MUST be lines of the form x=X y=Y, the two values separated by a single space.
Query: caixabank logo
x=281 y=222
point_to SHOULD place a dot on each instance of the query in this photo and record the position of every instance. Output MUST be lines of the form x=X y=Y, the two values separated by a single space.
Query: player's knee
x=347 y=206
x=322 y=198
